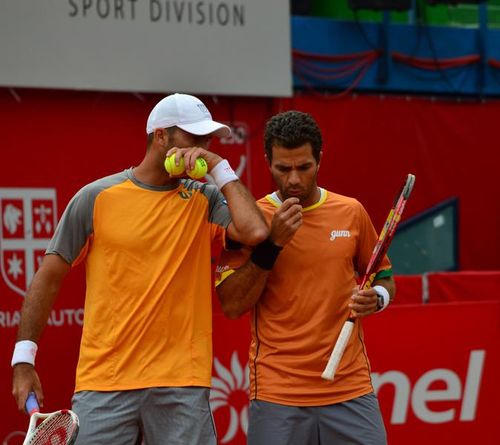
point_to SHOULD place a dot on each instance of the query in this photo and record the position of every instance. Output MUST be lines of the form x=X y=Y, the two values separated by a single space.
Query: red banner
x=409 y=289
x=463 y=286
x=434 y=366
x=435 y=369
x=370 y=143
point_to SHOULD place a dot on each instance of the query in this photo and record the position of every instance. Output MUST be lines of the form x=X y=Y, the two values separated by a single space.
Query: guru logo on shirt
x=334 y=234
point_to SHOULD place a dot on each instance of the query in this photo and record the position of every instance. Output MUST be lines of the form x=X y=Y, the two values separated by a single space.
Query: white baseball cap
x=186 y=112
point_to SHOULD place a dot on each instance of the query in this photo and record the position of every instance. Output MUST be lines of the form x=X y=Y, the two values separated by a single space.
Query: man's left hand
x=363 y=302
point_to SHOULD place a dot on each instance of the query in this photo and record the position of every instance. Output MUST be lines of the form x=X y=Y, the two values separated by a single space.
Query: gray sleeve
x=218 y=210
x=75 y=226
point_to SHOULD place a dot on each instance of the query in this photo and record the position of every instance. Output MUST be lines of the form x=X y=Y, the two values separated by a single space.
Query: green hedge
x=464 y=15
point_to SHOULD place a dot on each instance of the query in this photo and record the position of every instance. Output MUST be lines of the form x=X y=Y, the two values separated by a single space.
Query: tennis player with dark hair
x=300 y=285
x=147 y=240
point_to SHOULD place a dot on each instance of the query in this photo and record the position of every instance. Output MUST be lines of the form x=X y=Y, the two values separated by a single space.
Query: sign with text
x=236 y=47
x=434 y=369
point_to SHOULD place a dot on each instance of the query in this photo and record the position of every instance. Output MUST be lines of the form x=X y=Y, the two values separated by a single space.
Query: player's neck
x=148 y=174
x=312 y=199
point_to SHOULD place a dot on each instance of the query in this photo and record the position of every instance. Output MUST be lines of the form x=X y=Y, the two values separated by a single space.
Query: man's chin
x=299 y=195
x=295 y=194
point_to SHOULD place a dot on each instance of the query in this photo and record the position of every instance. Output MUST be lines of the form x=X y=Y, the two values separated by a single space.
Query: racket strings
x=55 y=430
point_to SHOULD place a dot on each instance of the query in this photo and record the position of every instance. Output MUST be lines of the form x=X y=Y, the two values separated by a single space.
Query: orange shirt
x=304 y=305
x=148 y=314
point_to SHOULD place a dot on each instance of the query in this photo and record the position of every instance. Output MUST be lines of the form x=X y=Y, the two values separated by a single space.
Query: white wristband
x=222 y=173
x=384 y=293
x=24 y=352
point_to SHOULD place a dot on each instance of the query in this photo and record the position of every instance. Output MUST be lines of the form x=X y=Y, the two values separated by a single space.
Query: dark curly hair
x=292 y=129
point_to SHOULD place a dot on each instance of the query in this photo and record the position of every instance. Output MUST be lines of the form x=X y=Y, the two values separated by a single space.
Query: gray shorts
x=357 y=421
x=174 y=416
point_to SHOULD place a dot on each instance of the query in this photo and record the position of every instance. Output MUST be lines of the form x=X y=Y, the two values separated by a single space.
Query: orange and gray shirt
x=305 y=303
x=148 y=314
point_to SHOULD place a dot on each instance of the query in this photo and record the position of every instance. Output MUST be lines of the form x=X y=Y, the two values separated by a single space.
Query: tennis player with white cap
x=187 y=113
x=147 y=241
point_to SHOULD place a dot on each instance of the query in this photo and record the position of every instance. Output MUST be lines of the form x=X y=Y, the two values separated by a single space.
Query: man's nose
x=203 y=141
x=293 y=177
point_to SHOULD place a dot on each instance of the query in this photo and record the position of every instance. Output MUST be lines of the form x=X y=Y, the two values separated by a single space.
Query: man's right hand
x=192 y=153
x=286 y=221
x=25 y=379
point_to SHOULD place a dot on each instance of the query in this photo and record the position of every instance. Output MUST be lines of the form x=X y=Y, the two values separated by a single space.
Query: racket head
x=388 y=231
x=57 y=428
x=408 y=187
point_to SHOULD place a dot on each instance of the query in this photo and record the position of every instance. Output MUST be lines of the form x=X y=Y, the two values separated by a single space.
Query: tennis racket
x=57 y=428
x=378 y=254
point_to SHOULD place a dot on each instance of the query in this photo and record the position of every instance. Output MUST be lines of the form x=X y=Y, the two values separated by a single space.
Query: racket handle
x=31 y=404
x=338 y=350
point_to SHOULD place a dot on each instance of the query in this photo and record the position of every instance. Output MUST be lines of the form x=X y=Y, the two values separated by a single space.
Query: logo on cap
x=203 y=109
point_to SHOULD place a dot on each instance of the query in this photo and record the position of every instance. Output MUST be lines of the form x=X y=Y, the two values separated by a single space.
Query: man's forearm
x=248 y=224
x=34 y=314
x=41 y=296
x=241 y=290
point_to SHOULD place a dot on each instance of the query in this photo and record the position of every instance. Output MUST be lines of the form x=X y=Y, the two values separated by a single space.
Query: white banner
x=234 y=47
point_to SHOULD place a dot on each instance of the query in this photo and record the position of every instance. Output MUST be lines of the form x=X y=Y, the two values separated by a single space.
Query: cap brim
x=206 y=127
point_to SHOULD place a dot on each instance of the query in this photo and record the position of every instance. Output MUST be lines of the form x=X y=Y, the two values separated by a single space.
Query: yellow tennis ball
x=172 y=169
x=200 y=169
